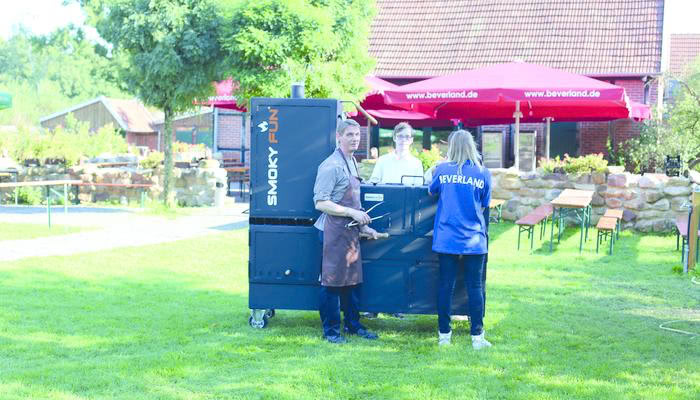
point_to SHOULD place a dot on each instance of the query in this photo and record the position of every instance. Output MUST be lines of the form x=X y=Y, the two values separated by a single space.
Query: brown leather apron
x=342 y=261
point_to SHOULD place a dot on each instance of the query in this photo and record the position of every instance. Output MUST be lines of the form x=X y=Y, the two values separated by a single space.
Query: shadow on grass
x=571 y=326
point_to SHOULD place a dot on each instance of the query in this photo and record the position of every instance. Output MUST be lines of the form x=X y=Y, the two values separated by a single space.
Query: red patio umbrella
x=387 y=114
x=224 y=96
x=513 y=92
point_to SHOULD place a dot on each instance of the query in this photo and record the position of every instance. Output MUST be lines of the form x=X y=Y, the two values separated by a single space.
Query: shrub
x=428 y=157
x=152 y=160
x=575 y=165
x=552 y=165
x=585 y=164
x=29 y=195
x=182 y=147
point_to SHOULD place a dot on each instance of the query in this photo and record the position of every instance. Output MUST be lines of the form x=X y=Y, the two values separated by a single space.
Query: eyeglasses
x=404 y=137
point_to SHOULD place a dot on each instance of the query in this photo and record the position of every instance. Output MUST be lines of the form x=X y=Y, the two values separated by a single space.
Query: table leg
x=587 y=216
x=583 y=223
x=561 y=220
x=65 y=199
x=48 y=204
x=551 y=231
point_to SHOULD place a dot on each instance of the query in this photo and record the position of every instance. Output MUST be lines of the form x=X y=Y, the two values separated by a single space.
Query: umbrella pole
x=517 y=115
x=546 y=143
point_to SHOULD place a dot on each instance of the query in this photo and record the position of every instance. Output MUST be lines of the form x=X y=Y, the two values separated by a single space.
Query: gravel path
x=116 y=228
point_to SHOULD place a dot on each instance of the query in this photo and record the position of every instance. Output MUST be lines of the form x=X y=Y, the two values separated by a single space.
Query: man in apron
x=337 y=196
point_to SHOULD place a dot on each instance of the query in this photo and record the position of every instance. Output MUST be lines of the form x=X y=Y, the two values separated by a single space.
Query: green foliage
x=678 y=134
x=182 y=147
x=428 y=158
x=47 y=73
x=575 y=165
x=323 y=43
x=168 y=321
x=66 y=144
x=552 y=165
x=152 y=160
x=29 y=195
x=171 y=51
x=616 y=155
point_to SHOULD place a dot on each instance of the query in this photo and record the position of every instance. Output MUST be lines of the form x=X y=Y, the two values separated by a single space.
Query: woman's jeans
x=473 y=275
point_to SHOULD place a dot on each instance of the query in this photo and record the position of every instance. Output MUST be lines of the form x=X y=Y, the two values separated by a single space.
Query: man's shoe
x=444 y=339
x=365 y=334
x=478 y=342
x=335 y=339
x=369 y=315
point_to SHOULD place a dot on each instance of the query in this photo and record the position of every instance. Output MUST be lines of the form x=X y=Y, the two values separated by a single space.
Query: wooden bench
x=496 y=204
x=606 y=230
x=538 y=216
x=617 y=214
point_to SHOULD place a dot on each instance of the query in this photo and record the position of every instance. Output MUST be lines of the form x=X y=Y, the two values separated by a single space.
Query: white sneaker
x=444 y=338
x=478 y=342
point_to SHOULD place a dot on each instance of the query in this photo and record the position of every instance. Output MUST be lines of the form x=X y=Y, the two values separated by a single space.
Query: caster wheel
x=270 y=313
x=258 y=324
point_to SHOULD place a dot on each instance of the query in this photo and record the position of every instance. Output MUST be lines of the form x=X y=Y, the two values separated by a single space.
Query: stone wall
x=193 y=186
x=650 y=202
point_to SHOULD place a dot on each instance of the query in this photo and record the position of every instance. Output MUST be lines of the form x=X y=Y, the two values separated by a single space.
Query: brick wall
x=231 y=126
x=593 y=136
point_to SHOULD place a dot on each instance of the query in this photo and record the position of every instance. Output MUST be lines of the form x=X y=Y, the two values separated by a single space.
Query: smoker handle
x=413 y=176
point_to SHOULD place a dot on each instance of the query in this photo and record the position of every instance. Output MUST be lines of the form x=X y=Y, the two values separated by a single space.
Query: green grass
x=18 y=231
x=169 y=321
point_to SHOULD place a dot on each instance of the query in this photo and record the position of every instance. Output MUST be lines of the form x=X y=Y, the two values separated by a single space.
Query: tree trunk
x=168 y=198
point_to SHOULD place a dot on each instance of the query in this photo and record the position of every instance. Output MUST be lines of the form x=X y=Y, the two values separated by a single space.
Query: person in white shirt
x=399 y=166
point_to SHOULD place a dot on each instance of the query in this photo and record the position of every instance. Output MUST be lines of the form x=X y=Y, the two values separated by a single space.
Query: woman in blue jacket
x=459 y=235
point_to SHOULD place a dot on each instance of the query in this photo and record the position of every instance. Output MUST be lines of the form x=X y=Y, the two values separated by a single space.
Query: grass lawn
x=16 y=231
x=169 y=321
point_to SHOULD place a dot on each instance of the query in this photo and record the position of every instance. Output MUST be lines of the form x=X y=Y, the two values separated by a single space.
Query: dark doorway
x=563 y=139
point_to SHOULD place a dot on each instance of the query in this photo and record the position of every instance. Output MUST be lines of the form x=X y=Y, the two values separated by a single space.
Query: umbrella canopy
x=490 y=95
x=5 y=100
x=224 y=96
x=387 y=114
x=515 y=92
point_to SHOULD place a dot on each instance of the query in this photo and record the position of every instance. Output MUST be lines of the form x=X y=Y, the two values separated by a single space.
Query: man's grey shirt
x=332 y=180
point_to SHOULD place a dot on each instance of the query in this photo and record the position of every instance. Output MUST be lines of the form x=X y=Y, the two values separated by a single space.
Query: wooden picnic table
x=47 y=184
x=498 y=205
x=572 y=202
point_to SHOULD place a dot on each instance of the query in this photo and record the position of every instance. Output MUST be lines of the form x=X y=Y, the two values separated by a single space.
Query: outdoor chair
x=672 y=166
x=617 y=214
x=606 y=231
x=538 y=216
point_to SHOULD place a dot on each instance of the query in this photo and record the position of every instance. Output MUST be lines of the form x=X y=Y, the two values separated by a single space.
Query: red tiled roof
x=133 y=114
x=685 y=48
x=415 y=38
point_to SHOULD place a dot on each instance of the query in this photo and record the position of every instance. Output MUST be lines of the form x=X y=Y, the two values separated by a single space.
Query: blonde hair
x=462 y=148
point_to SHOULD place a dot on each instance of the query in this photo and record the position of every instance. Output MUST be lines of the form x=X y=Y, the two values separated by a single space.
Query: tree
x=677 y=134
x=51 y=72
x=172 y=54
x=323 y=43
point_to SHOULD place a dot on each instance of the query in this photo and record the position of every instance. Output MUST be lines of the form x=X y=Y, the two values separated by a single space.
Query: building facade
x=617 y=41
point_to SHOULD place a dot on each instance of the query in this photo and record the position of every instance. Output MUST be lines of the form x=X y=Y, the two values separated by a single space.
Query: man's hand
x=370 y=233
x=360 y=216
